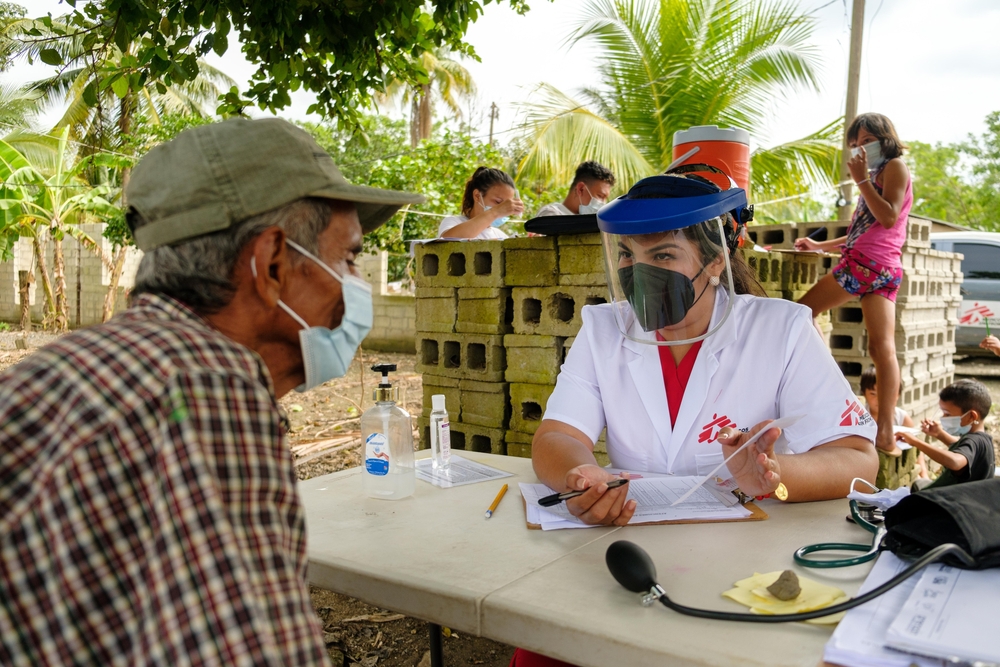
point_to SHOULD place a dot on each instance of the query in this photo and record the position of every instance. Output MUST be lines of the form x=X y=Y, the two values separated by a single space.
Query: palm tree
x=446 y=78
x=99 y=119
x=669 y=65
x=48 y=198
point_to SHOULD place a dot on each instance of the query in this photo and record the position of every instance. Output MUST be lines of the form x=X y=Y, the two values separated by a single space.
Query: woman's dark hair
x=483 y=179
x=882 y=129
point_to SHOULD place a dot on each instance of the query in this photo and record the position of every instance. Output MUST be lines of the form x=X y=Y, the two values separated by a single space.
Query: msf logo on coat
x=854 y=415
x=710 y=431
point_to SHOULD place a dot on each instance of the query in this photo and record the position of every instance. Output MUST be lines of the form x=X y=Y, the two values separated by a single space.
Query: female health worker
x=684 y=365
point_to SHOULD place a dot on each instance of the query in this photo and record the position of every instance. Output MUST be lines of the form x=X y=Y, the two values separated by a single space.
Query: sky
x=932 y=67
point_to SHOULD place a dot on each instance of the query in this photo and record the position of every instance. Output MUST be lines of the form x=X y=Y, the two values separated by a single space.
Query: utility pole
x=494 y=115
x=851 y=109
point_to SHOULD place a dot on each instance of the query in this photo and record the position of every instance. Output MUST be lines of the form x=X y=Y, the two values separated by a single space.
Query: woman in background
x=490 y=198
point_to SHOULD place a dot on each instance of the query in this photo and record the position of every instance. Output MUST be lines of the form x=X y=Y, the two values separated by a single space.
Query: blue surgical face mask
x=953 y=426
x=327 y=353
x=498 y=221
x=593 y=207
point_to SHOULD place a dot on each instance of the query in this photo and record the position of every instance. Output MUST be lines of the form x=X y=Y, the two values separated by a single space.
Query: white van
x=980 y=288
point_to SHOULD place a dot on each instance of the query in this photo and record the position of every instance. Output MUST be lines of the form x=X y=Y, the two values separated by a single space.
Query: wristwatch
x=781 y=493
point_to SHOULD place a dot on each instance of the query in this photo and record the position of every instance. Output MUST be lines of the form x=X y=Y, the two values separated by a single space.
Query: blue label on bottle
x=377 y=455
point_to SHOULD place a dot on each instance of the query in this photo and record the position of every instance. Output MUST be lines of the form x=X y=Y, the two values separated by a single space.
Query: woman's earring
x=714 y=281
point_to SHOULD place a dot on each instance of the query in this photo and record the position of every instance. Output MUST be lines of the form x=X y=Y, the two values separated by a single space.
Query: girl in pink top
x=870 y=266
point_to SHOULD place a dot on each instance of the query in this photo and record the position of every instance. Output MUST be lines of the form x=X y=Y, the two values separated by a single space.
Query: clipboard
x=756 y=514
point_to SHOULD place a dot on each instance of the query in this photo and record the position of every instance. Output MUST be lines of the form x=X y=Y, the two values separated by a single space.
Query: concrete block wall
x=87 y=279
x=394 y=327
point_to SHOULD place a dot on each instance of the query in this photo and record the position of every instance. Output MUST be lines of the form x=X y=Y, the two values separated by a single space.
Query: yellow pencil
x=496 y=501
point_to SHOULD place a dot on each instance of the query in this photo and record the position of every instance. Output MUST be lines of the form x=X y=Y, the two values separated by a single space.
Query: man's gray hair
x=199 y=272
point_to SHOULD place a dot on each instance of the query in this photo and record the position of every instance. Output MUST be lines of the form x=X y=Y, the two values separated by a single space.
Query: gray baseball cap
x=214 y=176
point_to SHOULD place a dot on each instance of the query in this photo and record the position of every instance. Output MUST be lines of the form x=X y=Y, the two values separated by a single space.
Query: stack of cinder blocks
x=494 y=322
x=464 y=309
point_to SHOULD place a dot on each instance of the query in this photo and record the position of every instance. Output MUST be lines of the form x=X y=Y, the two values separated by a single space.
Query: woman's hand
x=755 y=469
x=509 y=207
x=599 y=505
x=806 y=243
x=858 y=166
x=991 y=343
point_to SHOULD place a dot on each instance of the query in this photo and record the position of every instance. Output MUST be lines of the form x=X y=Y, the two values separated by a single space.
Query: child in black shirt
x=969 y=456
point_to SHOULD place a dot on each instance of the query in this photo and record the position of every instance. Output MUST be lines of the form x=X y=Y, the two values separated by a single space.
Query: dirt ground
x=325 y=438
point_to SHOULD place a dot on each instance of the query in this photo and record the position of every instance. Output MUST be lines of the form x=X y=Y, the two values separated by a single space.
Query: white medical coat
x=766 y=361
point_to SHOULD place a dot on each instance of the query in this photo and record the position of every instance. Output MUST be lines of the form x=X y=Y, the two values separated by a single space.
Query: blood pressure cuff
x=964 y=514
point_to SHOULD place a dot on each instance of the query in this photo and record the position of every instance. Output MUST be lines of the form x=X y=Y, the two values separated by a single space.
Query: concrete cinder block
x=582 y=259
x=464 y=356
x=799 y=272
x=780 y=237
x=849 y=342
x=918 y=233
x=767 y=266
x=460 y=264
x=436 y=309
x=485 y=403
x=518 y=444
x=533 y=359
x=527 y=405
x=484 y=310
x=553 y=311
x=578 y=239
x=834 y=229
x=530 y=261
x=465 y=437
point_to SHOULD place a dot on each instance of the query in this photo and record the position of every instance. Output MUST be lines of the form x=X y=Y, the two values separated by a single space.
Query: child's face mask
x=873 y=154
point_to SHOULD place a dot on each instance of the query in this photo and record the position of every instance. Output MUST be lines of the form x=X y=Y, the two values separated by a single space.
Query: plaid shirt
x=148 y=509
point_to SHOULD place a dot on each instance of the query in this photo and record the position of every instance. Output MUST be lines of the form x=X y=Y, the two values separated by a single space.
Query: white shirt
x=766 y=361
x=488 y=234
x=553 y=209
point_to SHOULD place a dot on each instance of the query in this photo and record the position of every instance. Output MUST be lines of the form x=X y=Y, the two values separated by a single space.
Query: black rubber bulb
x=631 y=566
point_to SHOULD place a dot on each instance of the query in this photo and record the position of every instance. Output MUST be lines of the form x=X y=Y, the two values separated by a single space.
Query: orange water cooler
x=723 y=147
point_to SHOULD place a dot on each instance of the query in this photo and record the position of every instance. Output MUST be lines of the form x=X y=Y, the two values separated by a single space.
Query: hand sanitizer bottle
x=388 y=469
x=440 y=433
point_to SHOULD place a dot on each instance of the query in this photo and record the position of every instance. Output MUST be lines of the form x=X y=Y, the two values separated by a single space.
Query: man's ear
x=975 y=416
x=269 y=256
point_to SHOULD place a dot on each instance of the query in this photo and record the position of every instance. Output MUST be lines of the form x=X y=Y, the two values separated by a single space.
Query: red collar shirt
x=148 y=509
x=765 y=361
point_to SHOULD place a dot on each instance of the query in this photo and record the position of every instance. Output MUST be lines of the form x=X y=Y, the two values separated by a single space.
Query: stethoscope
x=869 y=552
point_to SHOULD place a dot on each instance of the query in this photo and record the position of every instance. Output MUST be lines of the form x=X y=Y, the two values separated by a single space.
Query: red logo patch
x=975 y=314
x=854 y=414
x=710 y=431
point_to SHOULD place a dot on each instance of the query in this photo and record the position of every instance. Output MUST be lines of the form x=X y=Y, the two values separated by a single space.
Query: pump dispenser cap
x=437 y=402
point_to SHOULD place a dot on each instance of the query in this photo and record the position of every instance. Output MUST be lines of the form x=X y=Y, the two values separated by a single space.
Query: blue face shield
x=327 y=353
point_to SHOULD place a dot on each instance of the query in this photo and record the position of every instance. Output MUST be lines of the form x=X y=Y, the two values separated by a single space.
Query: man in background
x=587 y=193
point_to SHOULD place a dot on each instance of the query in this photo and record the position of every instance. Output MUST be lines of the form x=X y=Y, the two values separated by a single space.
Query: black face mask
x=659 y=297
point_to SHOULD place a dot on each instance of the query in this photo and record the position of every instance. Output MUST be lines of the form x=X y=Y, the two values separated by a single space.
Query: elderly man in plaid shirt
x=148 y=510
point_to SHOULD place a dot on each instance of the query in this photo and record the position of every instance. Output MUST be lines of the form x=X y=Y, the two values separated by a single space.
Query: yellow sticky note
x=753 y=593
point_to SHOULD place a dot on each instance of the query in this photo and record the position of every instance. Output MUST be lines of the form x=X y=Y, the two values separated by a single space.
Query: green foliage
x=959 y=182
x=4 y=326
x=340 y=50
x=672 y=64
x=357 y=150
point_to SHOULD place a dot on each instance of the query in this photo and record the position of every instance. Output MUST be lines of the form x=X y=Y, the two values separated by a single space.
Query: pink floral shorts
x=861 y=276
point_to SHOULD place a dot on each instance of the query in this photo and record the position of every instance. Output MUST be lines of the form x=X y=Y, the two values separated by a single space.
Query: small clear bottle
x=440 y=433
x=388 y=469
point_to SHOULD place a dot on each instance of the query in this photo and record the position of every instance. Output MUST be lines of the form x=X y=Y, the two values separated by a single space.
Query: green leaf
x=50 y=57
x=120 y=87
x=280 y=71
x=90 y=94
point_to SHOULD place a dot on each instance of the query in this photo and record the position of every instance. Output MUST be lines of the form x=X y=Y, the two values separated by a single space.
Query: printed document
x=459 y=472
x=653 y=496
x=950 y=613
